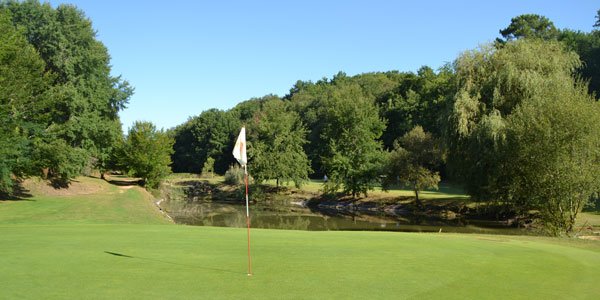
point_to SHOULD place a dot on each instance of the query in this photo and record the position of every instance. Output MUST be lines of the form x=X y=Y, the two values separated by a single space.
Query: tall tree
x=551 y=152
x=350 y=134
x=211 y=134
x=86 y=98
x=147 y=153
x=417 y=99
x=277 y=140
x=529 y=26
x=23 y=100
x=587 y=45
x=499 y=87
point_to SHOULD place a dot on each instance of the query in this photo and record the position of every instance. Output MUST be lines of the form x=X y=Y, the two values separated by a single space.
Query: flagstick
x=248 y=221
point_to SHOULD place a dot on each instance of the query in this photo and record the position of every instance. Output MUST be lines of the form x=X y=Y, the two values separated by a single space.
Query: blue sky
x=184 y=57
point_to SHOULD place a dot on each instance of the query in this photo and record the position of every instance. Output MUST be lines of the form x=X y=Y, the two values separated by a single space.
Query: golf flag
x=239 y=150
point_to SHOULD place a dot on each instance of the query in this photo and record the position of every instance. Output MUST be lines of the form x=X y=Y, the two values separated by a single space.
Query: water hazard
x=300 y=217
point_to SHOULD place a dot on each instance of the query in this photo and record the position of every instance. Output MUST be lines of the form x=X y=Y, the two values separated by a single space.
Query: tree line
x=516 y=122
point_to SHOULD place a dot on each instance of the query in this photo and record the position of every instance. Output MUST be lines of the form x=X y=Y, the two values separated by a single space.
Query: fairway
x=130 y=251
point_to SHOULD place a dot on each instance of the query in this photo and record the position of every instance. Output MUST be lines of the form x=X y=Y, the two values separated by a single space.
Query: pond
x=299 y=217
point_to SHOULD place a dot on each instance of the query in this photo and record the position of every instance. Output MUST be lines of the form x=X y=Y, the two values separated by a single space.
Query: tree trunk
x=417 y=200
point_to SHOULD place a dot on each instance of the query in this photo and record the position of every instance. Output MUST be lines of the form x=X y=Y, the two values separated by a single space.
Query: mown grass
x=181 y=262
x=110 y=245
x=96 y=202
x=445 y=190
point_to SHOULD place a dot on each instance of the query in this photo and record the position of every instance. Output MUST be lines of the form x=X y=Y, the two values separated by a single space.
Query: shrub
x=234 y=176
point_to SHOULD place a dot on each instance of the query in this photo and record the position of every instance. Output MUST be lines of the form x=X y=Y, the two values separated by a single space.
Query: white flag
x=239 y=150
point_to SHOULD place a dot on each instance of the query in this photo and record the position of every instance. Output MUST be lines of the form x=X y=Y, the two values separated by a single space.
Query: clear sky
x=184 y=57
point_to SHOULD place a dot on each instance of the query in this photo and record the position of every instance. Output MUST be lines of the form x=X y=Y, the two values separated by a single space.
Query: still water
x=298 y=217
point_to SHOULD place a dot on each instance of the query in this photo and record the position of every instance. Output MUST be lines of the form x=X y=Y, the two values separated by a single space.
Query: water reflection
x=304 y=218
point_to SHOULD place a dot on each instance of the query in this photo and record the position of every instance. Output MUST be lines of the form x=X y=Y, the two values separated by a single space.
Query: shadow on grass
x=125 y=182
x=19 y=193
x=172 y=263
x=122 y=180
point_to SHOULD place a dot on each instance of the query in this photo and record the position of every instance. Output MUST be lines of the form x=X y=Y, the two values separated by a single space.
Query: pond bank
x=205 y=202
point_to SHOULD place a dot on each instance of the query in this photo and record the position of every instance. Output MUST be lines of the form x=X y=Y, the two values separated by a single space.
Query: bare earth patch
x=79 y=186
x=590 y=237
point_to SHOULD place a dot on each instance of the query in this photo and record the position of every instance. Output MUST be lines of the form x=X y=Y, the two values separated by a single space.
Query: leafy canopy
x=414 y=161
x=277 y=138
x=146 y=153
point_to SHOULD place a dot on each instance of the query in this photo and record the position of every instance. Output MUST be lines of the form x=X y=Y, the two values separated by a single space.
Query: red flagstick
x=248 y=222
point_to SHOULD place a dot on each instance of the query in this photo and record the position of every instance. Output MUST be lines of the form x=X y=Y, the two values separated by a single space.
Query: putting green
x=111 y=243
x=183 y=262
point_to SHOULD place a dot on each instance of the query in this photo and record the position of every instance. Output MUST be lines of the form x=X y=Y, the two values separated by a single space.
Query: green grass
x=109 y=245
x=96 y=203
x=445 y=191
x=181 y=262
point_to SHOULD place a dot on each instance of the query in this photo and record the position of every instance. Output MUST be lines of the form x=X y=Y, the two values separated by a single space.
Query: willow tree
x=524 y=131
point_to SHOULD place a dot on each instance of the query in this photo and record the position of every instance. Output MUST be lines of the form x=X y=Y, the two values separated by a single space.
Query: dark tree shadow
x=121 y=180
x=60 y=183
x=172 y=263
x=19 y=193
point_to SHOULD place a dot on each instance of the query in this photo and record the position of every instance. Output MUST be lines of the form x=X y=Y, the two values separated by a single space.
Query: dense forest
x=515 y=122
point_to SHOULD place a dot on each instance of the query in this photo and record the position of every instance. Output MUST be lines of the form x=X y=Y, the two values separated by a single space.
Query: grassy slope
x=93 y=202
x=54 y=248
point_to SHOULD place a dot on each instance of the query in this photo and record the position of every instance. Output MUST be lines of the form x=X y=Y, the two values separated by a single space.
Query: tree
x=552 y=146
x=529 y=26
x=277 y=140
x=23 y=102
x=413 y=162
x=509 y=101
x=147 y=153
x=209 y=166
x=417 y=99
x=83 y=98
x=211 y=134
x=351 y=127
x=587 y=45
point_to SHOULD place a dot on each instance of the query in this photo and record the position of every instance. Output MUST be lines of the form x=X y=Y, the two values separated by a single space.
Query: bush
x=234 y=176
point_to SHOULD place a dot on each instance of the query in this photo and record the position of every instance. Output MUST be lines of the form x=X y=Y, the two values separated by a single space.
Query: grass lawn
x=445 y=191
x=109 y=244
x=88 y=201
